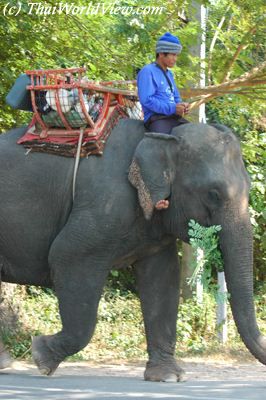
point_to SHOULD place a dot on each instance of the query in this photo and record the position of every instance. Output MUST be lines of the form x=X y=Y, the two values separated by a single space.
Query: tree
x=236 y=51
x=113 y=44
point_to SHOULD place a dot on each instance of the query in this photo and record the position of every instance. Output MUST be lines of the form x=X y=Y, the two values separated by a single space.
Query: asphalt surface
x=83 y=381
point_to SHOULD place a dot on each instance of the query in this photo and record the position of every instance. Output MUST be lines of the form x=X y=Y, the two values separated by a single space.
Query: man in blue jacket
x=160 y=99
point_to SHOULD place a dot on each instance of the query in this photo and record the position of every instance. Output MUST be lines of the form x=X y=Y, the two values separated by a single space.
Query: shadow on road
x=82 y=381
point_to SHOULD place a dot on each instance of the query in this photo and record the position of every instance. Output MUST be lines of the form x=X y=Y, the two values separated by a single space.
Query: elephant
x=130 y=206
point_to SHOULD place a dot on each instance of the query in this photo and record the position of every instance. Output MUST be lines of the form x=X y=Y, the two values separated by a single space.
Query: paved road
x=81 y=381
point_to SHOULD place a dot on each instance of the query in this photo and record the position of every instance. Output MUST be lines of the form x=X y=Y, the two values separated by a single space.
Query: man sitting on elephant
x=160 y=99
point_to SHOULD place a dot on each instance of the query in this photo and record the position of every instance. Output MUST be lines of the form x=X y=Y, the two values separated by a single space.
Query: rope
x=77 y=162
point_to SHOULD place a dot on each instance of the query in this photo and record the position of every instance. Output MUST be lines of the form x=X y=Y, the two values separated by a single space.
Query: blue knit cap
x=168 y=43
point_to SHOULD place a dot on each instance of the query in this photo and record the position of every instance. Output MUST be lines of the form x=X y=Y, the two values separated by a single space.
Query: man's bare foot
x=162 y=205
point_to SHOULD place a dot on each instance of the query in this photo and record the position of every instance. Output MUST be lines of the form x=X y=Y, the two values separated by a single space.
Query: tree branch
x=254 y=79
x=241 y=46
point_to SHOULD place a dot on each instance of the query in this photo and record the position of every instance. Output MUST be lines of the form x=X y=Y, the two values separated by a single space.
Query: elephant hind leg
x=5 y=359
x=78 y=285
x=43 y=357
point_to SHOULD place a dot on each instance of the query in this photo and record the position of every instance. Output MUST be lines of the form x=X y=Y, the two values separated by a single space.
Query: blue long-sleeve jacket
x=154 y=92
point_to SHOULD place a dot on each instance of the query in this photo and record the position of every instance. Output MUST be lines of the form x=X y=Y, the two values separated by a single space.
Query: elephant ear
x=152 y=169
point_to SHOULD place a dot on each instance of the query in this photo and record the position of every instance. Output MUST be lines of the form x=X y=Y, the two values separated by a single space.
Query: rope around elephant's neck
x=77 y=162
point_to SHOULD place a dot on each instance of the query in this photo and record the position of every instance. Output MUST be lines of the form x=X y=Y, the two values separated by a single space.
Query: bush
x=120 y=331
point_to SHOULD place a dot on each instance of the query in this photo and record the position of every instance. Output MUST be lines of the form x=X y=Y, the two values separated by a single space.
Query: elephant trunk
x=236 y=246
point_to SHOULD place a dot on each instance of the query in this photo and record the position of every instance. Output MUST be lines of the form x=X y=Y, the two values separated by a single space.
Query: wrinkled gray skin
x=47 y=240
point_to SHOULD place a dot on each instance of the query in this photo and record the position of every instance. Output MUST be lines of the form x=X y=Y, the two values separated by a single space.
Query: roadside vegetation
x=119 y=333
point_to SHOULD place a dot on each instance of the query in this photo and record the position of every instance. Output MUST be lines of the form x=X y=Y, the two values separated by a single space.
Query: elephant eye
x=214 y=196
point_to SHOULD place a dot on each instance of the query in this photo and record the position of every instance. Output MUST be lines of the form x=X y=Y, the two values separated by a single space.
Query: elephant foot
x=43 y=357
x=163 y=371
x=5 y=360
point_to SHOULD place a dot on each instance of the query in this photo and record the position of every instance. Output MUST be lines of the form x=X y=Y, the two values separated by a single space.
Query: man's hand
x=182 y=109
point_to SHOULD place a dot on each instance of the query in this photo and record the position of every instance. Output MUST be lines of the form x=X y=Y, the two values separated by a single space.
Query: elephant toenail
x=171 y=378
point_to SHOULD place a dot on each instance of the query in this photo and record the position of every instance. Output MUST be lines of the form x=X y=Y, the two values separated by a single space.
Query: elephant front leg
x=78 y=285
x=158 y=284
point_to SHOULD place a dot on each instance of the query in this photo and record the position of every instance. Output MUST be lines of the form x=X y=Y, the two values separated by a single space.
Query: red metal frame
x=71 y=78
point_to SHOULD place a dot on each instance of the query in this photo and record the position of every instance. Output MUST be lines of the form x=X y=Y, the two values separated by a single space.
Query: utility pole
x=197 y=115
x=221 y=310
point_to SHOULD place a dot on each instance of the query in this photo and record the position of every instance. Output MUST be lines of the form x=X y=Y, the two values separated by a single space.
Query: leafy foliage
x=113 y=45
x=234 y=39
x=206 y=239
x=122 y=280
x=120 y=331
x=196 y=324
